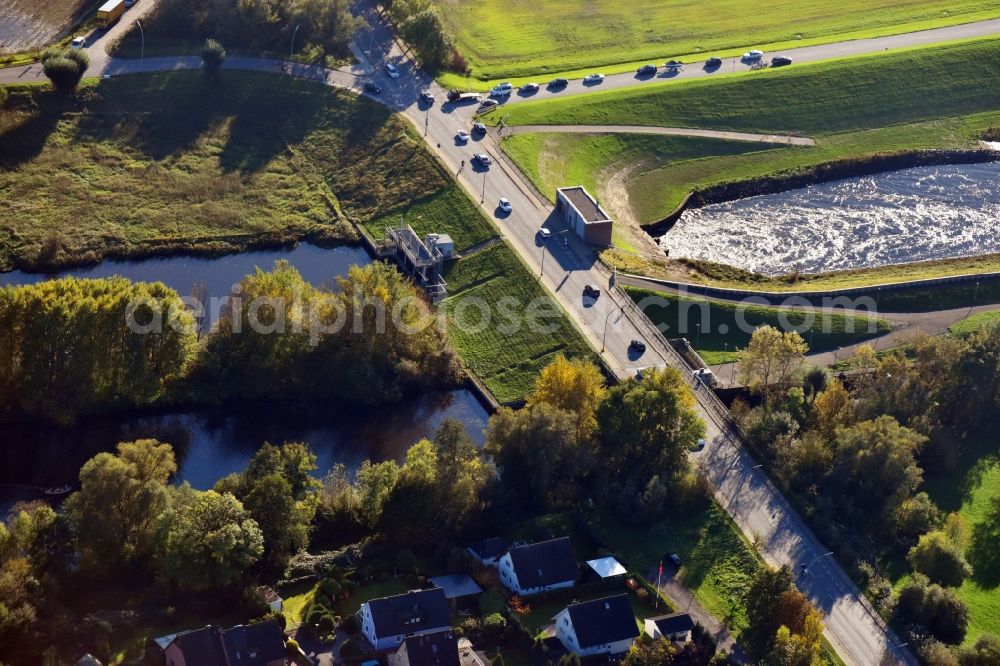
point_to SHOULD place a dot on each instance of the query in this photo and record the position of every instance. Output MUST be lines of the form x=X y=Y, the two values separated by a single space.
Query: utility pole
x=142 y=48
x=291 y=49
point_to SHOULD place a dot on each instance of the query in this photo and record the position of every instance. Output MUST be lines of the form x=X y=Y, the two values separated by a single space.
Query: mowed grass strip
x=503 y=324
x=717 y=330
x=975 y=322
x=135 y=164
x=822 y=98
x=505 y=39
x=448 y=211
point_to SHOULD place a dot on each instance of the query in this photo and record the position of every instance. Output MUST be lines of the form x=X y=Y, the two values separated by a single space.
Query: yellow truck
x=110 y=12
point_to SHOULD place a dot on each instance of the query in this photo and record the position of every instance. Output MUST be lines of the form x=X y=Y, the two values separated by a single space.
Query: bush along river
x=210 y=444
x=917 y=214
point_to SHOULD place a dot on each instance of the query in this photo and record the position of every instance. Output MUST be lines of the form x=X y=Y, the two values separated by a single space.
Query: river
x=890 y=218
x=210 y=444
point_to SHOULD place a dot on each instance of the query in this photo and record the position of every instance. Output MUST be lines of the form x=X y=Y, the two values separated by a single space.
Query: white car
x=593 y=78
x=544 y=233
x=391 y=70
x=78 y=42
x=502 y=90
x=462 y=135
x=482 y=158
x=753 y=55
x=505 y=206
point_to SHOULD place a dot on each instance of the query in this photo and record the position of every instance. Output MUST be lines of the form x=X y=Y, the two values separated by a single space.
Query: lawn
x=975 y=322
x=717 y=329
x=141 y=164
x=447 y=211
x=493 y=306
x=503 y=39
x=717 y=562
x=297 y=606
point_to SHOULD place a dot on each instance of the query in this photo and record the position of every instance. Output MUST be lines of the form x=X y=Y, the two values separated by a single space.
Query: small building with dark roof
x=437 y=649
x=597 y=627
x=539 y=567
x=460 y=590
x=488 y=551
x=389 y=621
x=675 y=627
x=584 y=215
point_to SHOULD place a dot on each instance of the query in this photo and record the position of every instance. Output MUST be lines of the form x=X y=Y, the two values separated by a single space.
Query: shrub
x=65 y=69
x=937 y=609
x=493 y=625
x=350 y=625
x=326 y=624
x=331 y=587
x=351 y=649
x=940 y=559
x=212 y=56
x=292 y=644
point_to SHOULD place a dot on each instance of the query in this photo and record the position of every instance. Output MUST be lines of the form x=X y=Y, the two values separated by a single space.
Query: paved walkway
x=670 y=131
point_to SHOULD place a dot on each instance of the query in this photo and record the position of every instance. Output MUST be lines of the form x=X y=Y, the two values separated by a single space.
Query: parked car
x=488 y=104
x=453 y=95
x=391 y=70
x=372 y=88
x=646 y=70
x=505 y=205
x=529 y=88
x=478 y=128
x=591 y=290
x=462 y=136
x=637 y=346
x=544 y=233
x=706 y=377
x=674 y=559
x=753 y=55
x=673 y=64
x=558 y=83
x=426 y=97
x=502 y=90
x=78 y=42
x=713 y=62
x=593 y=79
x=780 y=61
x=482 y=158
x=699 y=445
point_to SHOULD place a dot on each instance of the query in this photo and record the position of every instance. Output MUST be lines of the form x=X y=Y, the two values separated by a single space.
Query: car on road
x=478 y=128
x=545 y=233
x=699 y=445
x=78 y=42
x=453 y=95
x=482 y=158
x=391 y=70
x=487 y=104
x=593 y=79
x=637 y=346
x=674 y=559
x=673 y=65
x=591 y=290
x=780 y=61
x=753 y=55
x=529 y=88
x=461 y=136
x=426 y=97
x=372 y=88
x=558 y=83
x=706 y=377
x=505 y=206
x=646 y=70
x=713 y=63
x=502 y=90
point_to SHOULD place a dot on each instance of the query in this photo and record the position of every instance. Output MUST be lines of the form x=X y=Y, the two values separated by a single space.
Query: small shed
x=489 y=551
x=271 y=598
x=584 y=215
x=675 y=627
x=460 y=590
x=607 y=567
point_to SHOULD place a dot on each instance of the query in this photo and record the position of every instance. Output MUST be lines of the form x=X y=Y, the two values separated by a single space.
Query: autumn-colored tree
x=575 y=386
x=772 y=362
x=831 y=409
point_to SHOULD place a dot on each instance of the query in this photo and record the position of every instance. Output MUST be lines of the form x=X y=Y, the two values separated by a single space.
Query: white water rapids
x=889 y=218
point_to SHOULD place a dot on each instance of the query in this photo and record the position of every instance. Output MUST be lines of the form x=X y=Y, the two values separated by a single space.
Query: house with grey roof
x=597 y=627
x=389 y=621
x=539 y=567
x=674 y=627
x=260 y=644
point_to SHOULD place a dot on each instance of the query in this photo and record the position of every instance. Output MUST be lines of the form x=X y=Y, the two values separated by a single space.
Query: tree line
x=72 y=346
x=853 y=454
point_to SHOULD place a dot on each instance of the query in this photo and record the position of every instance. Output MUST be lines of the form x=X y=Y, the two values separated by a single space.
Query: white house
x=675 y=627
x=601 y=626
x=388 y=621
x=436 y=649
x=539 y=567
x=488 y=551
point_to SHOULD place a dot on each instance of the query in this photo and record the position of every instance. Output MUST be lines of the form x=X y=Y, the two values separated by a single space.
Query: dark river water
x=213 y=443
x=890 y=218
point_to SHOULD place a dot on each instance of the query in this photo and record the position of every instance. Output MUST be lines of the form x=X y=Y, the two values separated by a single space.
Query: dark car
x=591 y=290
x=780 y=61
x=638 y=346
x=558 y=83
x=478 y=128
x=712 y=63
x=426 y=97
x=372 y=88
x=453 y=95
x=646 y=70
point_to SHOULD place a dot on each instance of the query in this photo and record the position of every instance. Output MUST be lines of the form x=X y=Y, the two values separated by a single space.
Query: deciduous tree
x=575 y=386
x=772 y=362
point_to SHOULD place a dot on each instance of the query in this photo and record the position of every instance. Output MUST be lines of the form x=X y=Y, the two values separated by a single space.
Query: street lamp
x=805 y=567
x=698 y=339
x=291 y=49
x=605 y=336
x=142 y=48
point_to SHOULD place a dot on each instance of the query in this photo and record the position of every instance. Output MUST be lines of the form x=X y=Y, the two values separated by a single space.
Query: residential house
x=260 y=644
x=597 y=627
x=437 y=649
x=539 y=567
x=675 y=627
x=388 y=621
x=488 y=551
x=460 y=590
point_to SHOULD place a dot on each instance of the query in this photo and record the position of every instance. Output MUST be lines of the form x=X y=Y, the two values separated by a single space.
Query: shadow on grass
x=41 y=110
x=985 y=552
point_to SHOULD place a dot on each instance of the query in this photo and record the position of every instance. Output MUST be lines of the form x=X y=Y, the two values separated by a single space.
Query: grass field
x=503 y=39
x=447 y=211
x=717 y=330
x=975 y=322
x=138 y=164
x=491 y=298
